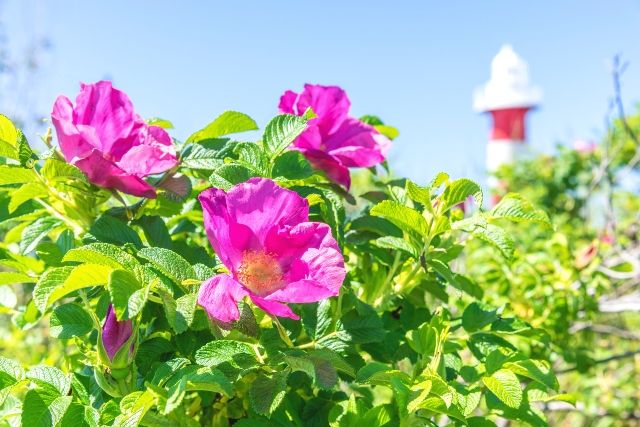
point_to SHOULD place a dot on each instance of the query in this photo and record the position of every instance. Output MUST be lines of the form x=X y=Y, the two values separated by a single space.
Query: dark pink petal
x=107 y=174
x=324 y=266
x=107 y=110
x=287 y=103
x=228 y=238
x=75 y=142
x=275 y=308
x=302 y=291
x=260 y=204
x=358 y=157
x=219 y=296
x=115 y=333
x=155 y=154
x=289 y=243
x=310 y=139
x=329 y=103
x=331 y=166
x=357 y=144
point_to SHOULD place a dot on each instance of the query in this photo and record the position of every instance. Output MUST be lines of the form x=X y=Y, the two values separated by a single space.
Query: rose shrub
x=221 y=282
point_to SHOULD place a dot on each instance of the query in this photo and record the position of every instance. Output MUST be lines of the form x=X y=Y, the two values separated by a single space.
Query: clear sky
x=413 y=63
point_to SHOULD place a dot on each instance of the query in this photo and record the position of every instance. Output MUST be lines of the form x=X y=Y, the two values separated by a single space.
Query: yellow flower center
x=260 y=272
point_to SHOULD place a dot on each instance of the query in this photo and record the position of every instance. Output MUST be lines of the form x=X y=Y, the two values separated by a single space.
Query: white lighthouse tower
x=508 y=96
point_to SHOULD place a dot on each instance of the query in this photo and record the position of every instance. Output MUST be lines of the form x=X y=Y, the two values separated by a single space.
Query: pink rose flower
x=334 y=141
x=111 y=144
x=262 y=234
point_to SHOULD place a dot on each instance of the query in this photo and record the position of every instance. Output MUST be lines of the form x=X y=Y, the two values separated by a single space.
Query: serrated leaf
x=50 y=378
x=477 y=316
x=35 y=232
x=169 y=263
x=43 y=410
x=402 y=216
x=419 y=194
x=227 y=123
x=103 y=254
x=536 y=370
x=51 y=279
x=11 y=278
x=155 y=231
x=505 y=385
x=133 y=407
x=514 y=207
x=237 y=353
x=396 y=243
x=266 y=393
x=281 y=131
x=292 y=165
x=111 y=230
x=199 y=157
x=228 y=175
x=70 y=320
x=458 y=191
x=10 y=372
x=58 y=283
x=128 y=296
x=16 y=175
x=26 y=193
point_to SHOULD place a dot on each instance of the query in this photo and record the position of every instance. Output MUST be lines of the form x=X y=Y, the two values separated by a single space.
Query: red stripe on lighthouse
x=509 y=123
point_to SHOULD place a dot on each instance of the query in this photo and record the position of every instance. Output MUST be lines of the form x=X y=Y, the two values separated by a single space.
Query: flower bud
x=118 y=341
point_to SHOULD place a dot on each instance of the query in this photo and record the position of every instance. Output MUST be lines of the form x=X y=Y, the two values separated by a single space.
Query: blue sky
x=413 y=63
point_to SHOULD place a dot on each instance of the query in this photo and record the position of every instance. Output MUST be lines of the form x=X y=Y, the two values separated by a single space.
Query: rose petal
x=331 y=166
x=260 y=204
x=107 y=174
x=275 y=308
x=228 y=238
x=219 y=296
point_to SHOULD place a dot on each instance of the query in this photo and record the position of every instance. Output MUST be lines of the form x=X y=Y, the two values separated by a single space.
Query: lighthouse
x=508 y=96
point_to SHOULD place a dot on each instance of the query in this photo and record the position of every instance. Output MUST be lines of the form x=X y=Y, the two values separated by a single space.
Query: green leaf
x=358 y=328
x=133 y=407
x=292 y=165
x=266 y=393
x=419 y=194
x=403 y=217
x=103 y=254
x=10 y=372
x=50 y=378
x=127 y=294
x=26 y=156
x=458 y=191
x=317 y=318
x=35 y=232
x=202 y=379
x=252 y=156
x=516 y=208
x=43 y=410
x=537 y=370
x=51 y=279
x=169 y=263
x=112 y=230
x=11 y=278
x=70 y=320
x=15 y=175
x=55 y=170
x=396 y=243
x=476 y=316
x=281 y=131
x=26 y=193
x=199 y=157
x=227 y=123
x=156 y=232
x=228 y=175
x=54 y=285
x=162 y=123
x=8 y=138
x=506 y=386
x=236 y=353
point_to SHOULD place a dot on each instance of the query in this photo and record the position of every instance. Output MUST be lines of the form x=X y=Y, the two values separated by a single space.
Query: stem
x=282 y=332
